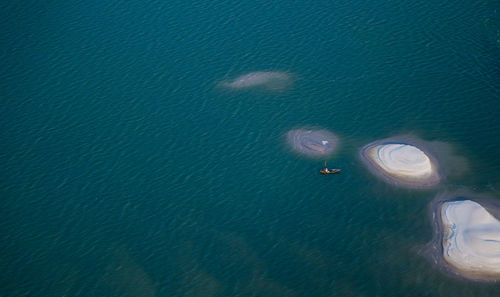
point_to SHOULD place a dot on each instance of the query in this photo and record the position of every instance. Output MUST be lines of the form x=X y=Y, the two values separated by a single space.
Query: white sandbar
x=401 y=163
x=471 y=239
x=401 y=160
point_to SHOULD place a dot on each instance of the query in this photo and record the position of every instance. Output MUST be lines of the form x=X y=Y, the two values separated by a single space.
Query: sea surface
x=126 y=171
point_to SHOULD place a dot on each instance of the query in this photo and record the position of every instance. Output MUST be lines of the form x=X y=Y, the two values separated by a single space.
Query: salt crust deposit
x=312 y=142
x=271 y=80
x=471 y=239
x=401 y=163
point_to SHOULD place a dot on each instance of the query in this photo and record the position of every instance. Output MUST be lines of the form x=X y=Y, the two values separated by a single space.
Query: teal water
x=127 y=172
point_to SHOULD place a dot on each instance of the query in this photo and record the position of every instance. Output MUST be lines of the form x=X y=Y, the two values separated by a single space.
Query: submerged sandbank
x=269 y=80
x=312 y=142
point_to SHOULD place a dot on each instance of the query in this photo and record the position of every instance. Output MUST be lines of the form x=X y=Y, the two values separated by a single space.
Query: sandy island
x=468 y=237
x=402 y=162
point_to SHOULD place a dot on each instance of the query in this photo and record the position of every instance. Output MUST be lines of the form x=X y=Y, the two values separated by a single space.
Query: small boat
x=326 y=171
x=329 y=171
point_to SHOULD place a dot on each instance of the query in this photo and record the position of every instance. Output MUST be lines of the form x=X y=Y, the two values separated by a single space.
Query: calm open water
x=126 y=172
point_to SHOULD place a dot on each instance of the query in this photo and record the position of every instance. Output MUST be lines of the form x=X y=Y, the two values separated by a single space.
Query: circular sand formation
x=401 y=163
x=313 y=143
x=469 y=239
x=270 y=80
